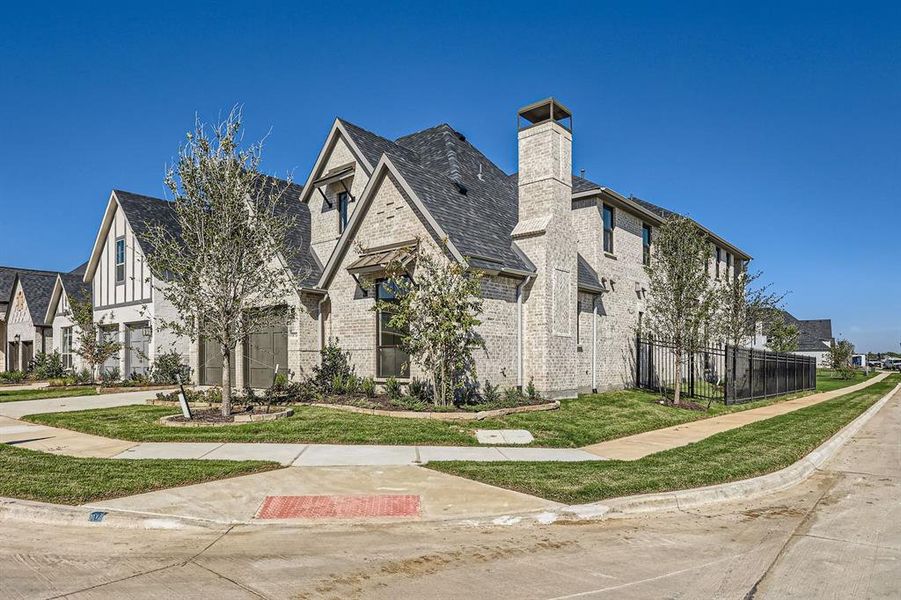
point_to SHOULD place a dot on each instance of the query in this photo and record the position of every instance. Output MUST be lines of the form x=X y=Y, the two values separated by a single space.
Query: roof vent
x=460 y=136
x=460 y=187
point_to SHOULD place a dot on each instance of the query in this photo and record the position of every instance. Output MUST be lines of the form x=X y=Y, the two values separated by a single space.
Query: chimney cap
x=549 y=109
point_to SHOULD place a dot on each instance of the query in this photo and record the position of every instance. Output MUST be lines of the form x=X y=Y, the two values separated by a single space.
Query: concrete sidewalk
x=637 y=446
x=20 y=408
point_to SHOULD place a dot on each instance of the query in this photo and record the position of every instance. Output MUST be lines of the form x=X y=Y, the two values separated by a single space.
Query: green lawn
x=589 y=419
x=755 y=449
x=39 y=393
x=32 y=475
x=828 y=380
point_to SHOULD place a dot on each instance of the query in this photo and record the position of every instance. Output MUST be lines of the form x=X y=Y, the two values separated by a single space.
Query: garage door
x=262 y=352
x=211 y=364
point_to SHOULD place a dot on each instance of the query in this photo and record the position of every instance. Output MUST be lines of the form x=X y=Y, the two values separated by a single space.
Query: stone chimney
x=544 y=233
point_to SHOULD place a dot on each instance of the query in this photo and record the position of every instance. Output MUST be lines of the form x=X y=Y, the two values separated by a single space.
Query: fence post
x=691 y=374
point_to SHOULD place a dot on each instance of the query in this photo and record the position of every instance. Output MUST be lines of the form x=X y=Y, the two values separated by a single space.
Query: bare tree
x=742 y=305
x=224 y=267
x=682 y=301
x=90 y=343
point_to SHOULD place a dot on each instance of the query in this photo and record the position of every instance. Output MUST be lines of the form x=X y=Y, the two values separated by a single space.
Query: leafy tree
x=839 y=357
x=89 y=341
x=438 y=309
x=782 y=336
x=682 y=301
x=222 y=265
x=742 y=305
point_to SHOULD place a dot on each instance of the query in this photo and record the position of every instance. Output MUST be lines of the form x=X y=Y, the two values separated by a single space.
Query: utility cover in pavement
x=504 y=436
x=348 y=507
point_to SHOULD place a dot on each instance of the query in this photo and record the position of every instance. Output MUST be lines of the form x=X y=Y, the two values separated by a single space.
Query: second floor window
x=343 y=199
x=646 y=244
x=728 y=264
x=120 y=260
x=609 y=224
x=719 y=257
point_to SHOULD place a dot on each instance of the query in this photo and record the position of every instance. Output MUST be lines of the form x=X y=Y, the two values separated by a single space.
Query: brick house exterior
x=564 y=295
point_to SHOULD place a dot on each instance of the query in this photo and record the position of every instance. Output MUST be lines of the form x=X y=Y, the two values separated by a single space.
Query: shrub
x=167 y=368
x=333 y=362
x=337 y=385
x=12 y=376
x=47 y=365
x=367 y=386
x=109 y=376
x=512 y=396
x=83 y=376
x=62 y=381
x=351 y=384
x=421 y=390
x=531 y=391
x=490 y=393
x=393 y=388
x=137 y=380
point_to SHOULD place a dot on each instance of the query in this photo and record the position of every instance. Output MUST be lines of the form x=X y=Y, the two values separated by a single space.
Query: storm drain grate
x=347 y=507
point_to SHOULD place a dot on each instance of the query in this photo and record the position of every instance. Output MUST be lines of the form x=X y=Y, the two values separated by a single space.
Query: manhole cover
x=347 y=507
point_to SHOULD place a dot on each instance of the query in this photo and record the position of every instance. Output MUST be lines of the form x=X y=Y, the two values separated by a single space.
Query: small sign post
x=185 y=409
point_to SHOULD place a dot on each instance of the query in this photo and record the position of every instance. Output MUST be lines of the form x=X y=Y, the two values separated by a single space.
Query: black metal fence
x=728 y=373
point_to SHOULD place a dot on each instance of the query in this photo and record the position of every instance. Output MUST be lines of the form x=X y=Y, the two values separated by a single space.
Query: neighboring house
x=563 y=257
x=68 y=287
x=814 y=336
x=128 y=303
x=26 y=331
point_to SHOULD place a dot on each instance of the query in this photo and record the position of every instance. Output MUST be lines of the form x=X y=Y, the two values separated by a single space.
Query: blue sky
x=778 y=125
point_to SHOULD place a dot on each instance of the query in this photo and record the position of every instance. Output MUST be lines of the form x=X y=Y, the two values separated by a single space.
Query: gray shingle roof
x=588 y=277
x=38 y=288
x=75 y=287
x=8 y=277
x=373 y=146
x=146 y=212
x=812 y=333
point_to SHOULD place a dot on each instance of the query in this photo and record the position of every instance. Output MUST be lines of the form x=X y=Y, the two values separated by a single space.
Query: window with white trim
x=609 y=224
x=120 y=260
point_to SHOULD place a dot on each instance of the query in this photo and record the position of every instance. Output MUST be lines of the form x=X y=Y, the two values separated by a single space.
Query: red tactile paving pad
x=345 y=507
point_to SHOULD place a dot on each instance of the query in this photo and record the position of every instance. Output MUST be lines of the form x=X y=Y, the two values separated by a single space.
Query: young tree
x=682 y=300
x=782 y=336
x=742 y=305
x=89 y=342
x=438 y=309
x=222 y=266
x=839 y=357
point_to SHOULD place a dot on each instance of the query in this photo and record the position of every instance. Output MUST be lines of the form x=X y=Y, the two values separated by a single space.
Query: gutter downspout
x=322 y=325
x=519 y=333
x=594 y=346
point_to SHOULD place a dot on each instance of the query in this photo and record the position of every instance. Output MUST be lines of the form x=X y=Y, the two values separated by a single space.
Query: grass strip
x=588 y=419
x=33 y=475
x=41 y=393
x=749 y=451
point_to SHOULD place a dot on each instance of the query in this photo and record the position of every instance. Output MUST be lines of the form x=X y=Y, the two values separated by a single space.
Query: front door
x=13 y=356
x=137 y=348
x=27 y=355
x=262 y=352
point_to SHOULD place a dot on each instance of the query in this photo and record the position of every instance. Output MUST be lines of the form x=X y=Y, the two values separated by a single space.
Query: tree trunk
x=226 y=381
x=677 y=386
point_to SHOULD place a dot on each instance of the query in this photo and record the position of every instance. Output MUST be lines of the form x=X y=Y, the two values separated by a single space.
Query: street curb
x=42 y=512
x=736 y=490
x=60 y=514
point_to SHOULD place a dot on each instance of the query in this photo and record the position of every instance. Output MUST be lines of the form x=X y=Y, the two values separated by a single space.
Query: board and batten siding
x=137 y=286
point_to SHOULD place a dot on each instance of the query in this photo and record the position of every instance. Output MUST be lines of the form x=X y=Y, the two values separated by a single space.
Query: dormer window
x=609 y=224
x=120 y=260
x=343 y=200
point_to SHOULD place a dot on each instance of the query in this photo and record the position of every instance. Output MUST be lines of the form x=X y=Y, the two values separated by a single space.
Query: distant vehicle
x=892 y=364
x=859 y=361
x=874 y=363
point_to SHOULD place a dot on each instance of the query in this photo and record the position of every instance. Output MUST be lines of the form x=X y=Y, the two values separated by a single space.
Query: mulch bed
x=214 y=415
x=683 y=404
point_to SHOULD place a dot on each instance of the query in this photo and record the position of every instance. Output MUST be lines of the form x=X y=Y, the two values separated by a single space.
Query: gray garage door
x=211 y=364
x=262 y=352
